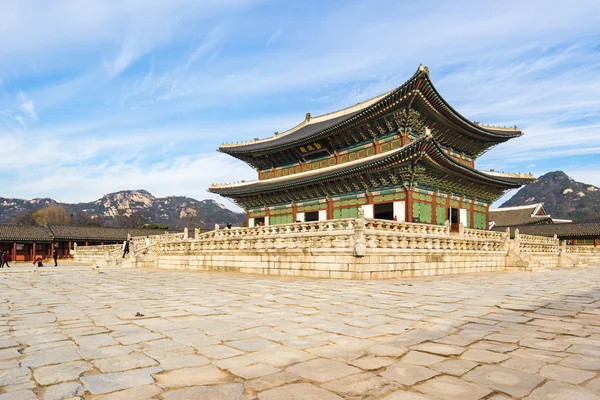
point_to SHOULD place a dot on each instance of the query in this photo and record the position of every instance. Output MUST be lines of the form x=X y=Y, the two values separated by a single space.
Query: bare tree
x=24 y=217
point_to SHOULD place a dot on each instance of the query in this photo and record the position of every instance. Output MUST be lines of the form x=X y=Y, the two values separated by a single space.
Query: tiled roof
x=522 y=215
x=564 y=230
x=26 y=233
x=418 y=83
x=70 y=232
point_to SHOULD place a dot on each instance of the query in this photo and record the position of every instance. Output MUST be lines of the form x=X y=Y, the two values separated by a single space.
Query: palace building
x=405 y=155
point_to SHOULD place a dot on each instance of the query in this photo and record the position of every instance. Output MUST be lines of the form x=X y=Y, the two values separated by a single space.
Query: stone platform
x=140 y=334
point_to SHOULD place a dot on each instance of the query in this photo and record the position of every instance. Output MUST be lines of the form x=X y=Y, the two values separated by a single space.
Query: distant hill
x=131 y=208
x=562 y=196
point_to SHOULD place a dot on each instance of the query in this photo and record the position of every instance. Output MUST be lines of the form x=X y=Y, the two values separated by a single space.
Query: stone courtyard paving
x=141 y=334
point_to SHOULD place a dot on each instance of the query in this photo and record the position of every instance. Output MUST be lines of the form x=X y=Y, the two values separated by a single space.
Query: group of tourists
x=4 y=259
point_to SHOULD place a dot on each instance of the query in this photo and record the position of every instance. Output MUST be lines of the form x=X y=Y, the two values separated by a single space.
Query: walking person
x=6 y=258
x=125 y=248
x=55 y=256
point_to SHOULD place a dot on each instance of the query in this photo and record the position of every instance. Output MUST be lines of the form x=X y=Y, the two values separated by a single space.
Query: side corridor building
x=25 y=243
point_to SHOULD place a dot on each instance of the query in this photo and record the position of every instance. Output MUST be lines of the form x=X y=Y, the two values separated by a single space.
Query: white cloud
x=27 y=106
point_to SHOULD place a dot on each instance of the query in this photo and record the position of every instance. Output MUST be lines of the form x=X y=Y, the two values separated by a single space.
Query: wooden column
x=86 y=243
x=33 y=251
x=294 y=212
x=329 y=209
x=404 y=138
x=69 y=250
x=434 y=209
x=595 y=242
x=448 y=207
x=487 y=217
x=472 y=218
x=14 y=251
x=377 y=146
x=409 y=205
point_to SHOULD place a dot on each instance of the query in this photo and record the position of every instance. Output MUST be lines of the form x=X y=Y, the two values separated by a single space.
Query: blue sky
x=101 y=96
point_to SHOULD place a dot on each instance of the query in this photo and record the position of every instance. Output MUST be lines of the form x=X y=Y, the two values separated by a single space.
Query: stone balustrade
x=536 y=244
x=275 y=230
x=355 y=248
x=583 y=250
x=486 y=235
x=406 y=228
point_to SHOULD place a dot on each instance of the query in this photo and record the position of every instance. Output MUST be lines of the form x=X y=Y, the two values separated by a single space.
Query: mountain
x=562 y=196
x=131 y=208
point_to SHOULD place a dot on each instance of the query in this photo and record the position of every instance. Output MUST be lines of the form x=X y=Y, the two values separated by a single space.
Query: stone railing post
x=461 y=230
x=517 y=242
x=360 y=244
x=185 y=233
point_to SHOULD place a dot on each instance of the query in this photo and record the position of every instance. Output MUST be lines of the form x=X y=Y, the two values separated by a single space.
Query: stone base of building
x=347 y=249
x=329 y=263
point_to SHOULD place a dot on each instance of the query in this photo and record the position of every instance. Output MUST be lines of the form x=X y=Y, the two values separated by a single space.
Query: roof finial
x=424 y=69
x=307 y=118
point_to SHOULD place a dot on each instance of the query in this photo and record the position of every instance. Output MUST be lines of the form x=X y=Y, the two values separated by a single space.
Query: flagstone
x=514 y=383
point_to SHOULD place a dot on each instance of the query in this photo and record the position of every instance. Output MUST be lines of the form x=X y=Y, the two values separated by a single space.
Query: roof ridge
x=524 y=207
x=496 y=127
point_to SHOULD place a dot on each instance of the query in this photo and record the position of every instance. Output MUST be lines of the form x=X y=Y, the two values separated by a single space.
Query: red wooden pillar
x=595 y=242
x=33 y=251
x=487 y=217
x=403 y=138
x=14 y=251
x=329 y=209
x=472 y=218
x=434 y=209
x=294 y=213
x=409 y=205
x=86 y=243
x=69 y=249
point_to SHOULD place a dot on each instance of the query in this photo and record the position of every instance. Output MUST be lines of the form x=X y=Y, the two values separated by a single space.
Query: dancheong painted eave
x=417 y=92
x=424 y=147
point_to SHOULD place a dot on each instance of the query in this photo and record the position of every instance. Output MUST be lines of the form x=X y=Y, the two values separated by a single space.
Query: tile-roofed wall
x=24 y=233
x=564 y=230
x=70 y=232
x=521 y=216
